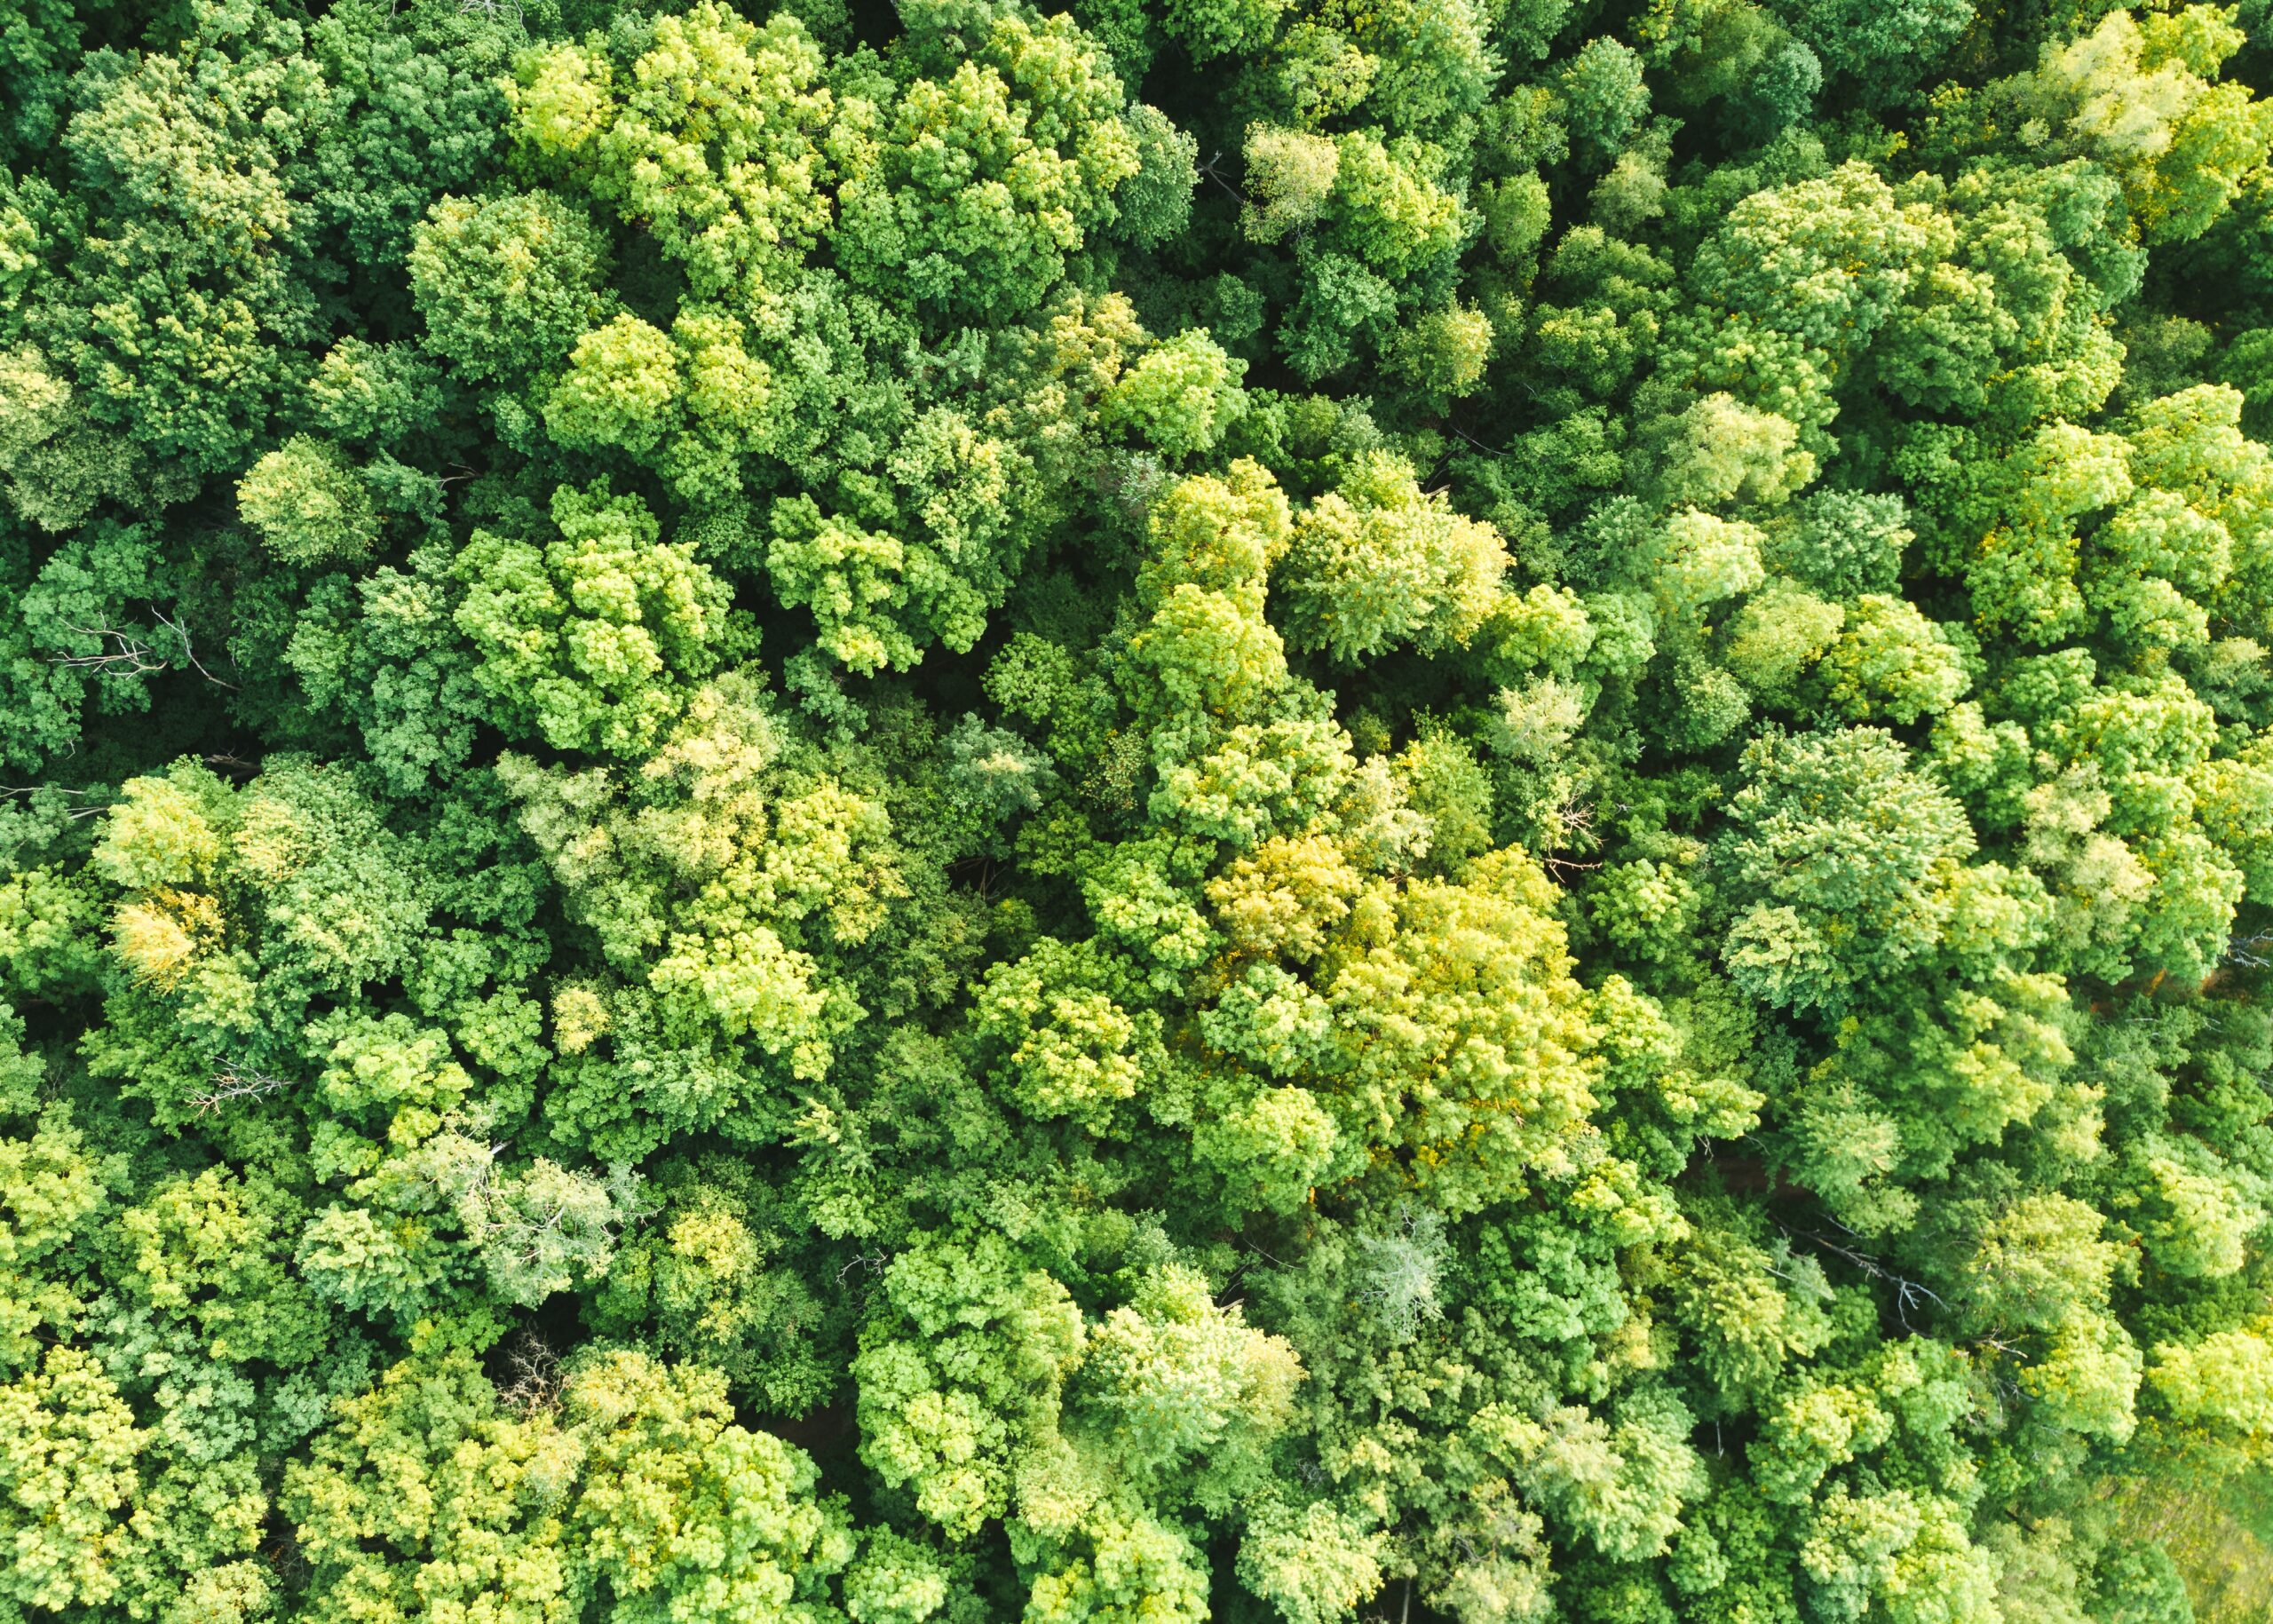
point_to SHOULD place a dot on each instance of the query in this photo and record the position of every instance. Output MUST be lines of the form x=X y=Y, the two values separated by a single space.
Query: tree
x=308 y=505
x=1846 y=861
x=589 y=640
x=507 y=284
x=1021 y=151
x=69 y=1473
x=1374 y=563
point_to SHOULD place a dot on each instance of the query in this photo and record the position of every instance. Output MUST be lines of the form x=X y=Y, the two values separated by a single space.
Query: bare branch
x=236 y=1082
x=124 y=653
x=93 y=811
x=2251 y=951
x=187 y=652
x=536 y=1376
x=1907 y=1294
x=1208 y=170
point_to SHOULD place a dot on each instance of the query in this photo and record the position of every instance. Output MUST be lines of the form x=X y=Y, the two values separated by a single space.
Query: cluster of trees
x=1257 y=809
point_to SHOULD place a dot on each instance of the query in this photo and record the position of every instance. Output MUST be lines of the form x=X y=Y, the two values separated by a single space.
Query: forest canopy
x=844 y=812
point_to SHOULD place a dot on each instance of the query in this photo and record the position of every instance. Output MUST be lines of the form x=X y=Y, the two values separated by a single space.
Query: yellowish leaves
x=1702 y=559
x=711 y=145
x=1461 y=1036
x=2223 y=1381
x=563 y=102
x=67 y=1449
x=1376 y=562
x=1219 y=532
x=1286 y=896
x=160 y=935
x=161 y=843
x=1290 y=175
x=1212 y=652
x=620 y=380
x=160 y=833
x=2137 y=93
x=271 y=842
x=1070 y=1048
x=1177 y=1372
x=580 y=1018
x=831 y=854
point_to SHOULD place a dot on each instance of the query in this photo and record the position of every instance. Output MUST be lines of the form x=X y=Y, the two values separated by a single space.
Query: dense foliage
x=1247 y=809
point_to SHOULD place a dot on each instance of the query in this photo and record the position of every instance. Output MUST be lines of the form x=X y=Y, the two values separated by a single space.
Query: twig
x=1472 y=440
x=1560 y=863
x=125 y=654
x=187 y=652
x=536 y=1376
x=2245 y=952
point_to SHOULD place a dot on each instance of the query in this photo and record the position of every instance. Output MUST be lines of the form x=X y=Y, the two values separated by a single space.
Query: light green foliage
x=68 y=1470
x=709 y=136
x=1718 y=451
x=1375 y=229
x=1214 y=541
x=685 y=1515
x=425 y=1467
x=1453 y=810
x=1068 y=1048
x=2139 y=98
x=1179 y=399
x=1290 y=178
x=506 y=284
x=2224 y=1381
x=1467 y=987
x=622 y=381
x=309 y=506
x=946 y=1410
x=1782 y=631
x=1700 y=559
x=726 y=870
x=1891 y=661
x=1316 y=1563
x=1374 y=563
x=815 y=236
x=1443 y=354
x=1174 y=1377
x=622 y=1479
x=588 y=641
